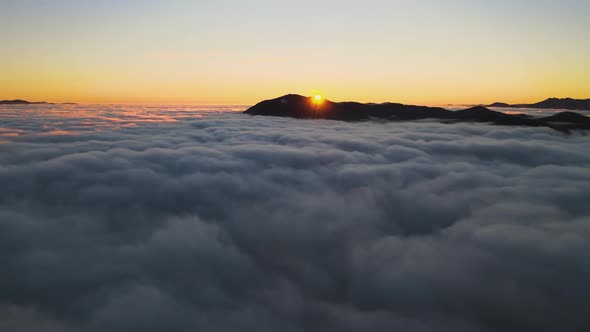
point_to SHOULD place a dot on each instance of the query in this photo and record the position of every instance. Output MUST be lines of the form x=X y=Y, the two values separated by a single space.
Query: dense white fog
x=128 y=218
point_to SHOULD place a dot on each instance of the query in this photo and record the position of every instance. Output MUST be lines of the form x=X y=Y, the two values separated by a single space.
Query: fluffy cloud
x=180 y=220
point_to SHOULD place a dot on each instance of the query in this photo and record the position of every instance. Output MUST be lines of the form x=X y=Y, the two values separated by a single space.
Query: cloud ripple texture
x=124 y=218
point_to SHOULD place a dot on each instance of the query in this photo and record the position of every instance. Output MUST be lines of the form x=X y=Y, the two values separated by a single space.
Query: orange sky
x=231 y=53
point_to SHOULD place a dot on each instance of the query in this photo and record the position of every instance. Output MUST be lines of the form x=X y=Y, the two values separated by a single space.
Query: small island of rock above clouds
x=20 y=102
x=556 y=103
x=296 y=106
x=26 y=102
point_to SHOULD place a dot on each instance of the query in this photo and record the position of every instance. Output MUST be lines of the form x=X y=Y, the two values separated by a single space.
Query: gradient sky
x=239 y=52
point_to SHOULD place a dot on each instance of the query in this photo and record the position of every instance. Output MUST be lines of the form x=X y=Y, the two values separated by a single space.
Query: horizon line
x=251 y=104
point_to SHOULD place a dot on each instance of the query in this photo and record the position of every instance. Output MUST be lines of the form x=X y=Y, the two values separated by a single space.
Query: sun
x=317 y=98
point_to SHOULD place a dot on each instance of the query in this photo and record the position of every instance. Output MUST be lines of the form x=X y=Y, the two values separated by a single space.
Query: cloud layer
x=221 y=222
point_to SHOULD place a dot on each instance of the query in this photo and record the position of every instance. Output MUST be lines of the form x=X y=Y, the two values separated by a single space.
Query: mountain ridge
x=20 y=102
x=556 y=103
x=300 y=107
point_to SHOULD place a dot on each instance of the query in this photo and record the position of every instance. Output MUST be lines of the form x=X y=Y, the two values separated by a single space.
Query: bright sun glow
x=317 y=98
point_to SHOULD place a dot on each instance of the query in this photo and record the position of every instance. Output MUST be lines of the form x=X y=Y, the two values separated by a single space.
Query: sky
x=241 y=52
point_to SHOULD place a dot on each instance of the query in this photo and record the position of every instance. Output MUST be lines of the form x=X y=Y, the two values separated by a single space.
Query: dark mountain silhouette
x=569 y=117
x=20 y=102
x=25 y=102
x=557 y=103
x=497 y=104
x=296 y=106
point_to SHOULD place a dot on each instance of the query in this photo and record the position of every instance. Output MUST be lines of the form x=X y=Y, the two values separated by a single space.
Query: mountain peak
x=557 y=103
x=296 y=106
x=21 y=102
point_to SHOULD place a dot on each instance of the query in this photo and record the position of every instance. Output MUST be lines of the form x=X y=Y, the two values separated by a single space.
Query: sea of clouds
x=124 y=218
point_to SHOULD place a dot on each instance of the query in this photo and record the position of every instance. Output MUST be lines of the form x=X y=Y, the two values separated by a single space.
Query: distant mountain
x=25 y=102
x=20 y=102
x=570 y=117
x=499 y=105
x=556 y=103
x=296 y=106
